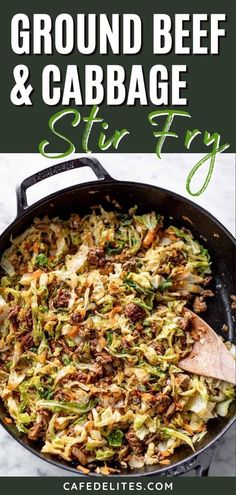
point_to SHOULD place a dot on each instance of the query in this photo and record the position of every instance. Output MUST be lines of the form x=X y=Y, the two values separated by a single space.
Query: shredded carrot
x=89 y=425
x=149 y=238
x=42 y=357
x=35 y=247
x=73 y=331
x=165 y=453
x=82 y=469
x=114 y=311
x=188 y=428
x=37 y=274
x=165 y=462
x=101 y=343
x=8 y=421
x=105 y=470
x=82 y=312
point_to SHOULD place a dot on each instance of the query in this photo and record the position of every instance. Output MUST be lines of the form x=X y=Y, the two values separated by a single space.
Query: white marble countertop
x=170 y=173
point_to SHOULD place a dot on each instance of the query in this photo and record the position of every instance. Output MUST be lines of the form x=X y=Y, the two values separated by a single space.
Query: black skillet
x=176 y=209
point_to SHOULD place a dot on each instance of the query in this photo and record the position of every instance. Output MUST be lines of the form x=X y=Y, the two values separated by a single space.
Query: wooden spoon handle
x=209 y=356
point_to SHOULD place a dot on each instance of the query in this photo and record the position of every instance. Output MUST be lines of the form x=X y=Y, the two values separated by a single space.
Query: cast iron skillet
x=221 y=245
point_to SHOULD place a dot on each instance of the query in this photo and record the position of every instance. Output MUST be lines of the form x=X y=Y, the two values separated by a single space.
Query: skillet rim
x=112 y=181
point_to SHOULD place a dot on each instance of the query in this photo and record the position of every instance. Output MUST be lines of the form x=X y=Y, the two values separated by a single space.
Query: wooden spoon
x=209 y=356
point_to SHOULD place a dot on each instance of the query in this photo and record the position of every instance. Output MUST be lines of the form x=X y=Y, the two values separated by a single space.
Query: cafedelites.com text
x=118 y=486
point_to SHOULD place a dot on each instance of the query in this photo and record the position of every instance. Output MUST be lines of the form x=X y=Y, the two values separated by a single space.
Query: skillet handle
x=21 y=189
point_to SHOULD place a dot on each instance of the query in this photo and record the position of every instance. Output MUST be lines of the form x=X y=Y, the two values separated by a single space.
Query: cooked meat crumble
x=134 y=312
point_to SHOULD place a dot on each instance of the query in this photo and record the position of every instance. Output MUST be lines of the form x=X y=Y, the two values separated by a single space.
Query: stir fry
x=92 y=328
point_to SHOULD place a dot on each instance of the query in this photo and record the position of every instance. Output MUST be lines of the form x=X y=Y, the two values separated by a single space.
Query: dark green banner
x=208 y=78
x=118 y=486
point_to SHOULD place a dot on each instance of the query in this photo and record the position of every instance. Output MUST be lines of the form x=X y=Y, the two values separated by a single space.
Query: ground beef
x=38 y=430
x=61 y=345
x=170 y=411
x=139 y=327
x=138 y=330
x=13 y=315
x=199 y=305
x=207 y=293
x=62 y=298
x=162 y=401
x=76 y=318
x=135 y=444
x=27 y=341
x=198 y=333
x=79 y=376
x=125 y=344
x=67 y=350
x=107 y=268
x=61 y=395
x=130 y=265
x=184 y=294
x=74 y=221
x=206 y=281
x=104 y=358
x=53 y=345
x=134 y=397
x=233 y=304
x=93 y=345
x=96 y=256
x=183 y=341
x=176 y=258
x=28 y=320
x=96 y=374
x=87 y=332
x=22 y=267
x=151 y=437
x=182 y=380
x=184 y=322
x=159 y=348
x=14 y=312
x=134 y=312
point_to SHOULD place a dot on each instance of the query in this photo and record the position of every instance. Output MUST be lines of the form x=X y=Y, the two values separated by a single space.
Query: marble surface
x=170 y=172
